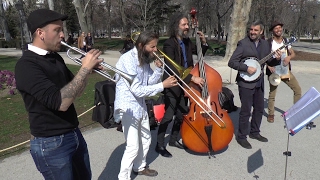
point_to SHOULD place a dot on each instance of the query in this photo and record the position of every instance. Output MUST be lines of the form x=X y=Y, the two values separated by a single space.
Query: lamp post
x=19 y=7
x=314 y=20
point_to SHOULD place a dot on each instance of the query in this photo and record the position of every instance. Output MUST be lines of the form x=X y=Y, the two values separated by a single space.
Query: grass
x=14 y=127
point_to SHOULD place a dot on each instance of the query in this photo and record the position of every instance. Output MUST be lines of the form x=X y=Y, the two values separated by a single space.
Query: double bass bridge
x=206 y=115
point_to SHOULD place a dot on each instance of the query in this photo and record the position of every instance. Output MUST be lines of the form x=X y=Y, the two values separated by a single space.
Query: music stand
x=300 y=115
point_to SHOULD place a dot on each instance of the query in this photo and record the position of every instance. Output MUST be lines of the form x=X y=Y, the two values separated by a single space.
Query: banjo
x=256 y=63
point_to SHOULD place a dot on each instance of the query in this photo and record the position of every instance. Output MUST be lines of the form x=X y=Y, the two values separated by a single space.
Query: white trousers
x=138 y=140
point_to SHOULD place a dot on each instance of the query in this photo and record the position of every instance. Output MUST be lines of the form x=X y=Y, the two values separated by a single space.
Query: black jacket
x=39 y=80
x=246 y=48
x=173 y=50
x=89 y=41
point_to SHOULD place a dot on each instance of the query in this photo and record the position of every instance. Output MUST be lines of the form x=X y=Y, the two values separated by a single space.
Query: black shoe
x=244 y=143
x=147 y=172
x=258 y=137
x=177 y=144
x=163 y=152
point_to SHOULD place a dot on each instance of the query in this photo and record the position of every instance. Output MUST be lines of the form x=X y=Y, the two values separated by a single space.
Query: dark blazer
x=246 y=48
x=173 y=50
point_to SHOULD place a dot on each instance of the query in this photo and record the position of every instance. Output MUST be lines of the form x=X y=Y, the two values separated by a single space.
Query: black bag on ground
x=104 y=101
x=152 y=121
x=226 y=100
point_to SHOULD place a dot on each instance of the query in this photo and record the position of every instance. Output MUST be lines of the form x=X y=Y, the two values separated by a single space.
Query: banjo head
x=253 y=62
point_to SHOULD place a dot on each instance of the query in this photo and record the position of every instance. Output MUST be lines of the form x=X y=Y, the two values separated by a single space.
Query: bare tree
x=23 y=22
x=51 y=4
x=220 y=16
x=108 y=20
x=80 y=9
x=147 y=13
x=4 y=23
x=123 y=16
x=238 y=24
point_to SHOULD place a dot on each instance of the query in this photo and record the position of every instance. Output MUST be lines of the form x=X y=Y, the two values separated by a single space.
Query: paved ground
x=265 y=161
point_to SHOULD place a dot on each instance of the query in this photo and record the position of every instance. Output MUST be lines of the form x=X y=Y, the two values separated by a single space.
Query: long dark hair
x=143 y=39
x=173 y=26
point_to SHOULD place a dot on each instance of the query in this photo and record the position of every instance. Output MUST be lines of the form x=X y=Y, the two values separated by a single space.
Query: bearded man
x=287 y=54
x=130 y=104
x=180 y=49
x=251 y=93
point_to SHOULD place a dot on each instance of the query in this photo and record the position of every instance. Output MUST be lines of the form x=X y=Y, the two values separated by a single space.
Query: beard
x=184 y=33
x=276 y=34
x=146 y=57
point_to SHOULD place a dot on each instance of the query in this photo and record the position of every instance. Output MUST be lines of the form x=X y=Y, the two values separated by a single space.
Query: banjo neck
x=269 y=56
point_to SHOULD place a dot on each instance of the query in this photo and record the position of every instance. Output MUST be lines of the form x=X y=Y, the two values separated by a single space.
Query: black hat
x=41 y=17
x=274 y=24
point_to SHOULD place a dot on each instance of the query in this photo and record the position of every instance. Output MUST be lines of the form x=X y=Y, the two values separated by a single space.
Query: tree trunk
x=88 y=11
x=298 y=25
x=23 y=24
x=81 y=15
x=123 y=17
x=4 y=23
x=108 y=20
x=238 y=25
x=51 y=5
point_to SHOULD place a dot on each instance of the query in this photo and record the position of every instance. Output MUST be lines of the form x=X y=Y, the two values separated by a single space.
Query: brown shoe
x=147 y=172
x=270 y=118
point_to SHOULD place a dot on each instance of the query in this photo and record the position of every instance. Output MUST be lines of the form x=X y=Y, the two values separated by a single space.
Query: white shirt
x=276 y=45
x=131 y=99
x=37 y=50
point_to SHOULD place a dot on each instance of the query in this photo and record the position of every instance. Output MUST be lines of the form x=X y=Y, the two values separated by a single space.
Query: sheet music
x=303 y=111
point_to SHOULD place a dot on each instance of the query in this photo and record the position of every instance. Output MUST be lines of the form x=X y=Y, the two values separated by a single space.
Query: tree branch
x=85 y=7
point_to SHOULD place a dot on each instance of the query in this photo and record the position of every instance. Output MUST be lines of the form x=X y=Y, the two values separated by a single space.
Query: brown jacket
x=80 y=41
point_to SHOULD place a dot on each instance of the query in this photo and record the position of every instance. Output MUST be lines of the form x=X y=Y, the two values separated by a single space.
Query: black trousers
x=250 y=98
x=173 y=106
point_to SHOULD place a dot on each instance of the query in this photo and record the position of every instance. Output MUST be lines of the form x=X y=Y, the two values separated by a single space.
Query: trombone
x=183 y=72
x=127 y=77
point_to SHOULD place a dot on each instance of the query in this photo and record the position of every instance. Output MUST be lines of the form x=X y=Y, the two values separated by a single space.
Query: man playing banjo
x=251 y=93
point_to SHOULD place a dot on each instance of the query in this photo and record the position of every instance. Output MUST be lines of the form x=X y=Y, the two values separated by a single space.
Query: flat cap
x=41 y=17
x=274 y=24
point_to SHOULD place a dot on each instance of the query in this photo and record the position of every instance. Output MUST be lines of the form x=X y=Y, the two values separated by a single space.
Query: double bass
x=202 y=132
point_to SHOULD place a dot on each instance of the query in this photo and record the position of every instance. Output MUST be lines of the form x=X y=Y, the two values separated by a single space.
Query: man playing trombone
x=130 y=104
x=48 y=89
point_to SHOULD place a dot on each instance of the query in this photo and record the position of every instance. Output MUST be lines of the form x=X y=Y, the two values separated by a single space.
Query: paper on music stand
x=303 y=111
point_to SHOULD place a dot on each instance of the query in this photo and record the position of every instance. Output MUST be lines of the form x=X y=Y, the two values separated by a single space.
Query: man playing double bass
x=180 y=49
